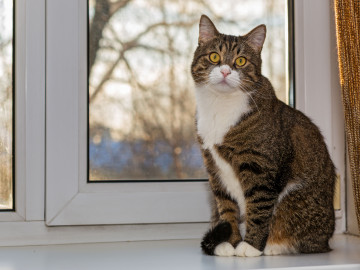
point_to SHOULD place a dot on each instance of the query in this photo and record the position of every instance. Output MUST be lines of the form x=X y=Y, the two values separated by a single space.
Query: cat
x=270 y=173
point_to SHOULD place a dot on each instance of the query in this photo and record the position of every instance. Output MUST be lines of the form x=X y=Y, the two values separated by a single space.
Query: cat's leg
x=215 y=241
x=260 y=199
x=257 y=230
x=221 y=239
x=229 y=212
x=302 y=223
x=281 y=240
x=224 y=235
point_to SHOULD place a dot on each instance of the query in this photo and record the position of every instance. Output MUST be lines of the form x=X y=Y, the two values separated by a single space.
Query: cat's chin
x=223 y=88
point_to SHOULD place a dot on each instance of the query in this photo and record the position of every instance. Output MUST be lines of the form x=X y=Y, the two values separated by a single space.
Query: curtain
x=347 y=18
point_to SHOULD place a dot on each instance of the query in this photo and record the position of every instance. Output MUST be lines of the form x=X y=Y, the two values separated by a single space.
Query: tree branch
x=105 y=78
x=115 y=6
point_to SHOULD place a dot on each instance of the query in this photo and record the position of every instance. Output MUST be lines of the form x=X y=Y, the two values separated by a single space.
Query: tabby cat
x=270 y=173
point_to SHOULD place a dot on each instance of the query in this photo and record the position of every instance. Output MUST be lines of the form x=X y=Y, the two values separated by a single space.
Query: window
x=141 y=94
x=6 y=105
x=70 y=198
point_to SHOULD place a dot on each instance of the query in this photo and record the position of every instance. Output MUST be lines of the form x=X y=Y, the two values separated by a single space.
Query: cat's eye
x=214 y=57
x=239 y=62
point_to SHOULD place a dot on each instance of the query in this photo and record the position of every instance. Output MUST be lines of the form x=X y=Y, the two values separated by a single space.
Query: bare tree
x=104 y=10
x=157 y=115
x=161 y=112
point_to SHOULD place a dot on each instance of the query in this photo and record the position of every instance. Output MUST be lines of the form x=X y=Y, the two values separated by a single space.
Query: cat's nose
x=225 y=72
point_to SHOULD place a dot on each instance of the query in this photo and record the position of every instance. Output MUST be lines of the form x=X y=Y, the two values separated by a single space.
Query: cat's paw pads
x=246 y=250
x=224 y=249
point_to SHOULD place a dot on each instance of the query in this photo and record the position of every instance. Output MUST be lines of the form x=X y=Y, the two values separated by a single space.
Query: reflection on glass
x=6 y=104
x=141 y=94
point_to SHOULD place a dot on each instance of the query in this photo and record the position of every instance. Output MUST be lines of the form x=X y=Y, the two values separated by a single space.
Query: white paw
x=272 y=250
x=278 y=249
x=246 y=250
x=224 y=249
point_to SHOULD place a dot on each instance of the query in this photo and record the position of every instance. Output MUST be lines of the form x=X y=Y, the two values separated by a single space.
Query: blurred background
x=141 y=94
x=6 y=103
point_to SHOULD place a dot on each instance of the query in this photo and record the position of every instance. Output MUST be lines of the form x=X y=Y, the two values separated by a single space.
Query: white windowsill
x=169 y=254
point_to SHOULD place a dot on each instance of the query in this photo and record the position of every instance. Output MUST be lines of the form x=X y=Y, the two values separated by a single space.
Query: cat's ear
x=256 y=37
x=207 y=29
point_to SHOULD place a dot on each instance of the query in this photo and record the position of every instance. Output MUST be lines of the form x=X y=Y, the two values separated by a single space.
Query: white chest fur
x=216 y=113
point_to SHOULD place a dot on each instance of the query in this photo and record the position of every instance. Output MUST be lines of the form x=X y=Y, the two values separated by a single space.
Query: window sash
x=70 y=198
x=30 y=112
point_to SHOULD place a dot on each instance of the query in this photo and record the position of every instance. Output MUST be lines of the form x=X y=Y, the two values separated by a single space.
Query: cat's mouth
x=224 y=82
x=224 y=86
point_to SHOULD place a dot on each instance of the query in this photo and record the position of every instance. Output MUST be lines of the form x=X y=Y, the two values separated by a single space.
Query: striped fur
x=269 y=168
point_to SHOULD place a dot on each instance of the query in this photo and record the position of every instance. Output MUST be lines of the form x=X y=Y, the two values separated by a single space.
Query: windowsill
x=170 y=254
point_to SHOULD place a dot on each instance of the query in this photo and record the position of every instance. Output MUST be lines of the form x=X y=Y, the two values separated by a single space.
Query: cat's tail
x=215 y=236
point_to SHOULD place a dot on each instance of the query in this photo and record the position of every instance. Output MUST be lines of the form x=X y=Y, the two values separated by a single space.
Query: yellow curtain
x=347 y=16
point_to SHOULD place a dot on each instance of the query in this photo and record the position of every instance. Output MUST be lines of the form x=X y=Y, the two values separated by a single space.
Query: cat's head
x=226 y=63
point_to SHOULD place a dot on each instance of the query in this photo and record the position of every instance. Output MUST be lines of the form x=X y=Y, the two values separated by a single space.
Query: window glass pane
x=6 y=104
x=141 y=93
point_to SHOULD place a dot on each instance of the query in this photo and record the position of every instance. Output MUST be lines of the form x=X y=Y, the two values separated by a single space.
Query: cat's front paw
x=224 y=249
x=246 y=250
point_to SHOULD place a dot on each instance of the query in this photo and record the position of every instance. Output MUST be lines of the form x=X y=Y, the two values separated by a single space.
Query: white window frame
x=29 y=112
x=318 y=91
x=70 y=200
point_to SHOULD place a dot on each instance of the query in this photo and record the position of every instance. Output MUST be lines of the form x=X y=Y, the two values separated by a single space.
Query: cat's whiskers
x=255 y=91
x=246 y=92
x=252 y=83
x=233 y=81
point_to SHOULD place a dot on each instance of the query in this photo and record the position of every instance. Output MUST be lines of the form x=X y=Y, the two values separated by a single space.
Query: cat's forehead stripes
x=238 y=51
x=230 y=43
x=221 y=47
x=229 y=47
x=234 y=44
